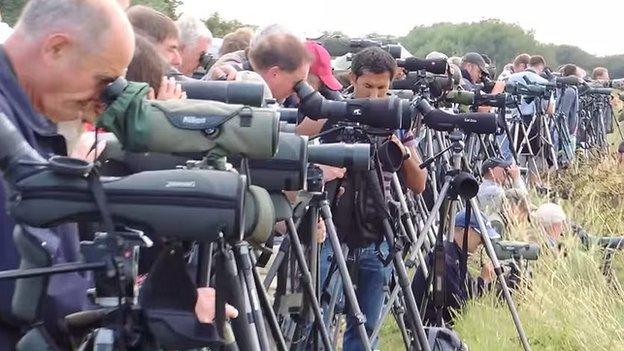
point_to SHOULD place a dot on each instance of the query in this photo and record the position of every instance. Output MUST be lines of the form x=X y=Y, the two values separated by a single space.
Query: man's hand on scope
x=205 y=307
x=404 y=150
x=224 y=72
x=169 y=90
x=330 y=173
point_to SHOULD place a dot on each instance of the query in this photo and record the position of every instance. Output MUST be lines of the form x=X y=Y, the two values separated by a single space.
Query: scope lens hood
x=70 y=166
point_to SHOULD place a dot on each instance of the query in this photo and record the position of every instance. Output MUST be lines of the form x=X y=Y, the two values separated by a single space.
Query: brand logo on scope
x=193 y=120
x=178 y=184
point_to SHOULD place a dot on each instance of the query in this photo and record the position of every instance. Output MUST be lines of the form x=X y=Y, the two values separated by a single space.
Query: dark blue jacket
x=457 y=291
x=66 y=292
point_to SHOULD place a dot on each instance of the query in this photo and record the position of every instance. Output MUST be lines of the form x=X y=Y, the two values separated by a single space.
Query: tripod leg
x=242 y=252
x=314 y=275
x=277 y=262
x=344 y=273
x=306 y=278
x=501 y=278
x=399 y=316
x=404 y=283
x=267 y=309
x=334 y=285
x=241 y=326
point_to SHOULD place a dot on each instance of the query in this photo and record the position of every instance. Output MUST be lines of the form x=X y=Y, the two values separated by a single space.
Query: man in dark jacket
x=458 y=285
x=54 y=68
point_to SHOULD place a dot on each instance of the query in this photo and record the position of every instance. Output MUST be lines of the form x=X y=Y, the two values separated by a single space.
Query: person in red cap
x=321 y=70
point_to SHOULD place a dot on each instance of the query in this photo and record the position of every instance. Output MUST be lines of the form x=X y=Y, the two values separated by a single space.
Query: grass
x=570 y=304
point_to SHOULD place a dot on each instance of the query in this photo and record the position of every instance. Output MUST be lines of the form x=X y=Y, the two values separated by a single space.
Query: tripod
x=416 y=260
x=458 y=184
x=284 y=212
x=317 y=204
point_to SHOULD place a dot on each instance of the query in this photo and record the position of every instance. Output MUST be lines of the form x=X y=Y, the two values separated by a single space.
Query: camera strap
x=464 y=254
x=93 y=179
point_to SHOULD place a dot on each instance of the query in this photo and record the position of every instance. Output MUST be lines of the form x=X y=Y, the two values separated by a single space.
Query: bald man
x=53 y=68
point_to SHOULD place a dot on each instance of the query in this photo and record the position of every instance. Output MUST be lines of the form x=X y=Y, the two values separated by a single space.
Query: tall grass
x=569 y=304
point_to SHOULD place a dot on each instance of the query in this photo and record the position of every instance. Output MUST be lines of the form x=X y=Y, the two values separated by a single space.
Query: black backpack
x=444 y=339
x=357 y=217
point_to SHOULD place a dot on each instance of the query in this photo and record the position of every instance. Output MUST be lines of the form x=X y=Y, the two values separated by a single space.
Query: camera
x=287 y=170
x=188 y=127
x=387 y=113
x=434 y=66
x=417 y=82
x=238 y=93
x=506 y=250
x=479 y=123
x=339 y=46
x=476 y=99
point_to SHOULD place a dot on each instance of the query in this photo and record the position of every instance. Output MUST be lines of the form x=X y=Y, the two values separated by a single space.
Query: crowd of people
x=61 y=54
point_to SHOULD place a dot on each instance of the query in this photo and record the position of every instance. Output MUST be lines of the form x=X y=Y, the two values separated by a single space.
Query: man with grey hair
x=53 y=68
x=195 y=41
x=552 y=220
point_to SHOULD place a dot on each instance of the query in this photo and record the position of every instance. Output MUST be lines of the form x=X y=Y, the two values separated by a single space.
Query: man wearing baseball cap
x=497 y=173
x=458 y=285
x=321 y=75
x=372 y=72
x=473 y=68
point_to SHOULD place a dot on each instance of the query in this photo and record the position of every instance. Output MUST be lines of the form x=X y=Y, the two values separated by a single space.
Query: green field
x=570 y=304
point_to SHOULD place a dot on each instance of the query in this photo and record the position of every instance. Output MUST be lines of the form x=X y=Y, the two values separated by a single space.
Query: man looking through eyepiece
x=473 y=69
x=195 y=41
x=54 y=67
x=372 y=72
x=278 y=56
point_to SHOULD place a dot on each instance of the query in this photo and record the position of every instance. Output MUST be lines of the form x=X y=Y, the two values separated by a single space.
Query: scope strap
x=464 y=255
x=439 y=269
x=99 y=196
x=221 y=284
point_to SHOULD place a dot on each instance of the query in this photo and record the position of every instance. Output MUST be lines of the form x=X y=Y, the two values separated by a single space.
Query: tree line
x=501 y=41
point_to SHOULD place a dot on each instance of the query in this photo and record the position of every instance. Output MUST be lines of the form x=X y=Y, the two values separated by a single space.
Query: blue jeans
x=373 y=276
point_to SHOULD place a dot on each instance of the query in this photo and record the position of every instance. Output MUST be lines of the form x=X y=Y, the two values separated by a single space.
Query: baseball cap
x=493 y=162
x=460 y=221
x=477 y=59
x=434 y=55
x=321 y=66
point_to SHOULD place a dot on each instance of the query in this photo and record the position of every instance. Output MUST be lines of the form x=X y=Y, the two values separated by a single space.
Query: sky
x=596 y=26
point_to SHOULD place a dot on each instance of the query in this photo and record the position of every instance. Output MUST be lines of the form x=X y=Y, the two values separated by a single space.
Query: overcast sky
x=597 y=26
